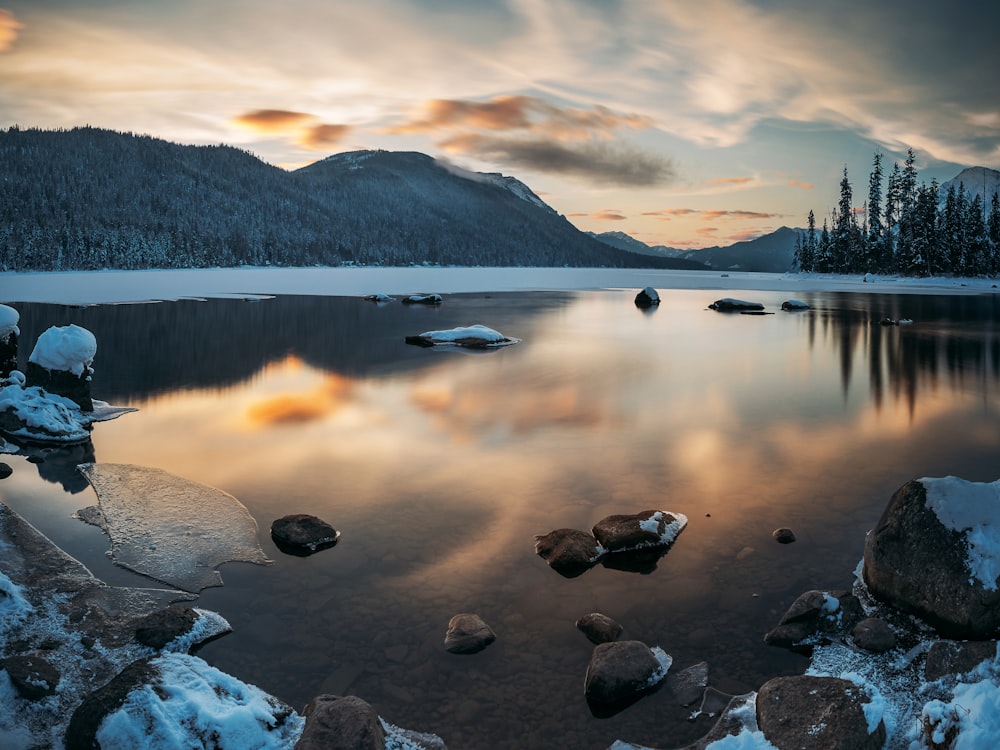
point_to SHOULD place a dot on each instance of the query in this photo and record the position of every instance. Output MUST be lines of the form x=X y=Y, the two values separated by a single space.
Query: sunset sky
x=687 y=124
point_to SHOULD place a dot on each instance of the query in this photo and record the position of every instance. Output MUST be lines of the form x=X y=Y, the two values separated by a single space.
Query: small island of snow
x=66 y=348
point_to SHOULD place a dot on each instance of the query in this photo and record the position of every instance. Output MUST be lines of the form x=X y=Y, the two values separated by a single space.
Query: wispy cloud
x=9 y=27
x=609 y=214
x=709 y=215
x=300 y=127
x=273 y=120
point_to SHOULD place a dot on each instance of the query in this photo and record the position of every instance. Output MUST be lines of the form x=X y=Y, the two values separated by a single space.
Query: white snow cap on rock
x=8 y=321
x=476 y=331
x=67 y=348
x=971 y=508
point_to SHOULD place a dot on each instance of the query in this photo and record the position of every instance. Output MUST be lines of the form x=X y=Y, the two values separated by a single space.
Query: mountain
x=981 y=181
x=772 y=253
x=630 y=244
x=88 y=198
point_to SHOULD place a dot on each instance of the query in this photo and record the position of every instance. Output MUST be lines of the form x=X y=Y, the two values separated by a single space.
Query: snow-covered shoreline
x=116 y=287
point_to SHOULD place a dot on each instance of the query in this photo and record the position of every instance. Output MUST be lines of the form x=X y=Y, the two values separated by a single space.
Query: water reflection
x=440 y=467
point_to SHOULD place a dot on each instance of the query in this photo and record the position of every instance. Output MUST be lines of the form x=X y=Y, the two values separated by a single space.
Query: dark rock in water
x=619 y=674
x=423 y=299
x=816 y=713
x=728 y=304
x=599 y=628
x=468 y=634
x=569 y=552
x=647 y=297
x=688 y=685
x=87 y=718
x=957 y=657
x=815 y=612
x=74 y=387
x=157 y=629
x=648 y=528
x=793 y=304
x=301 y=534
x=915 y=563
x=8 y=354
x=341 y=723
x=419 y=341
x=33 y=676
x=783 y=536
x=5 y=470
x=875 y=635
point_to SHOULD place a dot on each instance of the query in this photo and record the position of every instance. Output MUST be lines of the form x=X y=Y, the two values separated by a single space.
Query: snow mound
x=8 y=321
x=66 y=348
x=476 y=332
x=973 y=509
x=169 y=528
x=48 y=417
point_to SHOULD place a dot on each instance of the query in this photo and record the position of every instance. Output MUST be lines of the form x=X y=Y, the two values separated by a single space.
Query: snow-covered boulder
x=817 y=713
x=648 y=528
x=423 y=299
x=729 y=304
x=813 y=613
x=794 y=304
x=622 y=672
x=61 y=363
x=476 y=336
x=647 y=297
x=8 y=339
x=936 y=553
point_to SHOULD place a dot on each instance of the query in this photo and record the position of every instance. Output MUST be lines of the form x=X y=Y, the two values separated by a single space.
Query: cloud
x=710 y=215
x=801 y=184
x=273 y=120
x=730 y=181
x=596 y=161
x=9 y=26
x=323 y=135
x=609 y=214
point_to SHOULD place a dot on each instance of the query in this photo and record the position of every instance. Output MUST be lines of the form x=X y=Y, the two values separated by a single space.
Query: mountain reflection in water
x=439 y=467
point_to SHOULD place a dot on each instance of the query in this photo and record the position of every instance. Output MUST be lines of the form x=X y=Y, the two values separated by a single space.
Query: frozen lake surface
x=440 y=466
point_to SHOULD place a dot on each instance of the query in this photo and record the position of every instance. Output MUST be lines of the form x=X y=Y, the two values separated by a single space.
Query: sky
x=687 y=124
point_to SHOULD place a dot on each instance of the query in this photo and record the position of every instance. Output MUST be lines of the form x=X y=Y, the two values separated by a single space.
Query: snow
x=665 y=661
x=14 y=608
x=971 y=508
x=169 y=528
x=195 y=705
x=65 y=348
x=109 y=287
x=476 y=332
x=670 y=530
x=8 y=321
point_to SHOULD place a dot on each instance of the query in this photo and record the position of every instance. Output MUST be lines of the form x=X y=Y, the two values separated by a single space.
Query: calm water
x=439 y=467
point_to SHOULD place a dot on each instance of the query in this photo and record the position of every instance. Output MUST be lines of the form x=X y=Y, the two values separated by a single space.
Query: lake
x=439 y=466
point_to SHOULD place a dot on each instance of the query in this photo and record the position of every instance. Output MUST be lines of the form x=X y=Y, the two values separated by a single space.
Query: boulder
x=649 y=528
x=815 y=612
x=423 y=299
x=647 y=297
x=5 y=470
x=934 y=552
x=728 y=304
x=783 y=536
x=159 y=628
x=301 y=534
x=956 y=657
x=569 y=552
x=599 y=628
x=341 y=723
x=793 y=304
x=86 y=720
x=816 y=713
x=875 y=635
x=61 y=363
x=622 y=672
x=468 y=634
x=32 y=676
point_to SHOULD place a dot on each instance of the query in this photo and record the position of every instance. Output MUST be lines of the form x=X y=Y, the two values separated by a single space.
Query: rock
x=728 y=304
x=159 y=628
x=649 y=528
x=622 y=672
x=954 y=657
x=423 y=299
x=569 y=552
x=816 y=713
x=794 y=304
x=476 y=336
x=688 y=685
x=783 y=536
x=86 y=720
x=917 y=564
x=33 y=676
x=812 y=613
x=5 y=470
x=468 y=634
x=341 y=723
x=647 y=297
x=599 y=628
x=875 y=635
x=301 y=534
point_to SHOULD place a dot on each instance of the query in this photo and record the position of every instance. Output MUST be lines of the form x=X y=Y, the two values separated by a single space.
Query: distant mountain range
x=981 y=181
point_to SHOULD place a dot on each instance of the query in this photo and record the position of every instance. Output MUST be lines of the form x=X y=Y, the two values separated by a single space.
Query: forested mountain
x=89 y=199
x=771 y=253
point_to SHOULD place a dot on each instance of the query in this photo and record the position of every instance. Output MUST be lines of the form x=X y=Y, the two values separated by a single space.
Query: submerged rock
x=816 y=713
x=620 y=673
x=688 y=685
x=599 y=628
x=935 y=553
x=468 y=634
x=341 y=723
x=302 y=534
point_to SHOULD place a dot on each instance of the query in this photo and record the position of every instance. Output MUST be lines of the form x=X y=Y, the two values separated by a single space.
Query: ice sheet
x=169 y=528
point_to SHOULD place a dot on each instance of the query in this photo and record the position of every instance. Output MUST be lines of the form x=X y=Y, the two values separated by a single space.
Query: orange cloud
x=803 y=185
x=706 y=231
x=9 y=26
x=323 y=135
x=730 y=181
x=273 y=120
x=609 y=214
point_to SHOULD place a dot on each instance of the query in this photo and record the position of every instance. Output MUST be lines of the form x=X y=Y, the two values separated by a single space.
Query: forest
x=908 y=229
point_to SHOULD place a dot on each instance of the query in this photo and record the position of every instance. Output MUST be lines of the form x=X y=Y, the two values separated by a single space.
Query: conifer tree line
x=906 y=229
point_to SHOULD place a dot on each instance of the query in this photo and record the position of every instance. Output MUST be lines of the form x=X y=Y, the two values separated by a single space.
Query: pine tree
x=845 y=236
x=873 y=216
x=977 y=253
x=993 y=234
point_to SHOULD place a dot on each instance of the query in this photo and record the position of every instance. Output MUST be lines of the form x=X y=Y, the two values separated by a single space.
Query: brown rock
x=341 y=723
x=599 y=628
x=468 y=634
